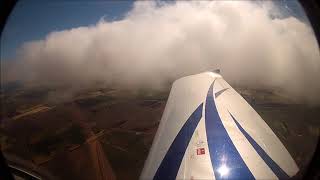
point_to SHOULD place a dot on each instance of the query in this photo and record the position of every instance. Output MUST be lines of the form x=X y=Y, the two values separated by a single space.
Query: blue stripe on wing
x=226 y=160
x=267 y=159
x=170 y=164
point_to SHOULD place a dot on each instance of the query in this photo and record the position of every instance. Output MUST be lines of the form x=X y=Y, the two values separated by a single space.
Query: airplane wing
x=208 y=131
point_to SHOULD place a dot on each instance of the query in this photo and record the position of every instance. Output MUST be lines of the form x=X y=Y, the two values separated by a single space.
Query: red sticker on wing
x=201 y=151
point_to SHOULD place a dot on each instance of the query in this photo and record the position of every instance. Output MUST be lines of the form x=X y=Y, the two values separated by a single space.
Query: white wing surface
x=208 y=131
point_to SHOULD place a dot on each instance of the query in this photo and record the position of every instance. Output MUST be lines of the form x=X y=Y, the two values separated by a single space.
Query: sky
x=34 y=19
x=70 y=46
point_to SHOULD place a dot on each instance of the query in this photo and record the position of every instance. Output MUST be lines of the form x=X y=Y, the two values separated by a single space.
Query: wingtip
x=217 y=71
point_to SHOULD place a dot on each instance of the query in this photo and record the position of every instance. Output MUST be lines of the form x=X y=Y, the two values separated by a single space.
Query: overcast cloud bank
x=158 y=42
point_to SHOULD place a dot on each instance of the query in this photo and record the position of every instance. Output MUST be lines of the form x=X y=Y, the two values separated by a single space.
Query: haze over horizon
x=254 y=44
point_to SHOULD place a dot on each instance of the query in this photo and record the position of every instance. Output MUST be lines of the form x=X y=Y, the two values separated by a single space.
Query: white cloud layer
x=156 y=42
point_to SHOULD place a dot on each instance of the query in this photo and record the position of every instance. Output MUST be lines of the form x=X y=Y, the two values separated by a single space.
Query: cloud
x=157 y=42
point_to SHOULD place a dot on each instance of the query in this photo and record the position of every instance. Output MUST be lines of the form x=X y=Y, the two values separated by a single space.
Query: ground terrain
x=102 y=133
